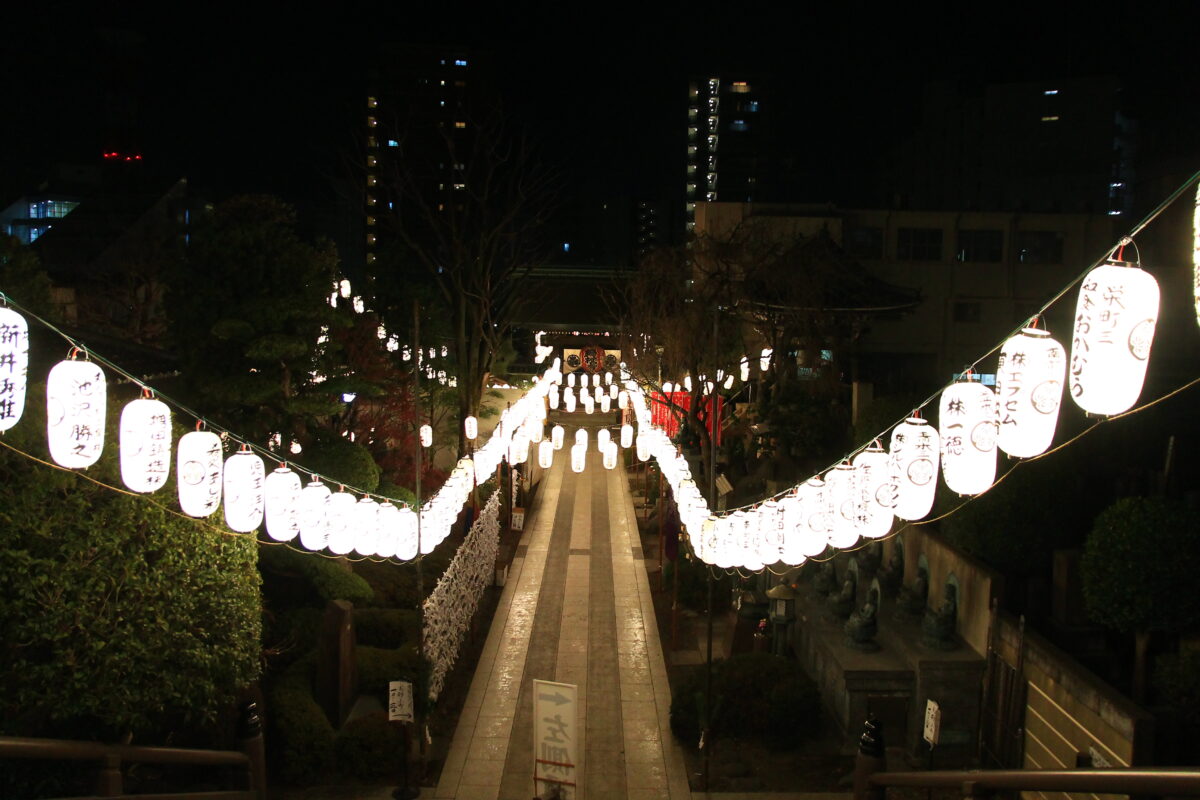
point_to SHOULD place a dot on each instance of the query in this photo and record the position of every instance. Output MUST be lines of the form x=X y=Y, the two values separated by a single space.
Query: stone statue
x=891 y=577
x=869 y=559
x=824 y=580
x=861 y=628
x=938 y=627
x=911 y=602
x=842 y=604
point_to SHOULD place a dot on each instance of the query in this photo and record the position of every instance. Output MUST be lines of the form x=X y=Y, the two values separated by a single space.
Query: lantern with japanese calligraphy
x=967 y=425
x=75 y=400
x=556 y=436
x=145 y=444
x=878 y=491
x=581 y=436
x=366 y=522
x=845 y=503
x=626 y=436
x=605 y=404
x=199 y=469
x=1114 y=328
x=389 y=530
x=426 y=435
x=817 y=517
x=470 y=428
x=342 y=533
x=770 y=532
x=622 y=399
x=282 y=510
x=570 y=379
x=610 y=455
x=406 y=549
x=914 y=466
x=569 y=401
x=552 y=397
x=578 y=457
x=1029 y=384
x=244 y=479
x=546 y=454
x=314 y=515
x=643 y=447
x=589 y=405
x=14 y=366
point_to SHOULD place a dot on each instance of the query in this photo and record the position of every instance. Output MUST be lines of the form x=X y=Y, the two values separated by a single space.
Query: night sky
x=248 y=101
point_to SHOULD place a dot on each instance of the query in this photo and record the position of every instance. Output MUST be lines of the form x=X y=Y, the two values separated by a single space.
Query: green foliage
x=806 y=423
x=386 y=627
x=693 y=584
x=378 y=666
x=369 y=747
x=118 y=615
x=399 y=494
x=343 y=461
x=300 y=736
x=1140 y=564
x=1177 y=681
x=22 y=277
x=329 y=578
x=755 y=696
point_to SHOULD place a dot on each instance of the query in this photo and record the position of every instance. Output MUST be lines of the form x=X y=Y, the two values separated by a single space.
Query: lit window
x=566 y=247
x=372 y=180
x=740 y=87
x=372 y=122
x=443 y=83
x=460 y=186
x=711 y=197
x=393 y=143
x=370 y=258
x=370 y=200
x=441 y=206
x=372 y=102
x=441 y=103
x=370 y=220
x=372 y=161
x=693 y=132
x=713 y=85
x=1052 y=118
x=460 y=124
x=739 y=125
x=712 y=142
x=752 y=106
x=370 y=238
x=1049 y=92
x=460 y=62
x=371 y=142
x=1115 y=213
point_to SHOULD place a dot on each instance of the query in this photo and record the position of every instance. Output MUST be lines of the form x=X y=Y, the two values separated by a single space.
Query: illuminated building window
x=370 y=238
x=372 y=122
x=393 y=143
x=752 y=106
x=370 y=220
x=711 y=197
x=713 y=85
x=441 y=206
x=460 y=186
x=372 y=161
x=460 y=62
x=1052 y=118
x=372 y=102
x=739 y=125
x=460 y=124
x=739 y=87
x=371 y=142
x=372 y=180
x=1049 y=92
x=370 y=258
x=51 y=209
x=370 y=200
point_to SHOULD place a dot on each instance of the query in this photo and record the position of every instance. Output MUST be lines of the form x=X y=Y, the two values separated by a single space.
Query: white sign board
x=556 y=745
x=933 y=722
x=518 y=519
x=400 y=701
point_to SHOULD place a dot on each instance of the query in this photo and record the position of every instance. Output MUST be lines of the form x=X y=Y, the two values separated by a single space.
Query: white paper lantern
x=145 y=442
x=770 y=532
x=589 y=405
x=1114 y=328
x=199 y=470
x=598 y=393
x=581 y=437
x=426 y=435
x=596 y=379
x=14 y=366
x=578 y=457
x=643 y=447
x=668 y=387
x=745 y=369
x=622 y=399
x=1029 y=384
x=764 y=361
x=626 y=436
x=728 y=382
x=914 y=454
x=552 y=397
x=967 y=423
x=687 y=383
x=817 y=516
x=546 y=454
x=570 y=379
x=366 y=523
x=614 y=391
x=282 y=511
x=314 y=515
x=556 y=436
x=878 y=489
x=605 y=404
x=75 y=405
x=610 y=455
x=342 y=533
x=245 y=478
x=470 y=428
x=408 y=546
x=570 y=402
x=845 y=504
x=795 y=530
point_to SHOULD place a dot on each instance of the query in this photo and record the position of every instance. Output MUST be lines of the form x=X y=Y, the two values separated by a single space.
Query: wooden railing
x=980 y=783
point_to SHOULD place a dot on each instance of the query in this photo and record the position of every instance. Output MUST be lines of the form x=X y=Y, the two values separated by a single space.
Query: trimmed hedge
x=755 y=696
x=330 y=579
x=386 y=627
x=301 y=737
x=369 y=747
x=378 y=666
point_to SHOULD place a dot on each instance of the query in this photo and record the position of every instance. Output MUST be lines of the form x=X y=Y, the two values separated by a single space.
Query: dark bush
x=386 y=627
x=330 y=579
x=290 y=634
x=378 y=666
x=369 y=747
x=755 y=696
x=300 y=736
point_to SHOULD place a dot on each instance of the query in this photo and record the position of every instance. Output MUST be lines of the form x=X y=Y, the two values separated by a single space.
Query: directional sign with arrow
x=556 y=744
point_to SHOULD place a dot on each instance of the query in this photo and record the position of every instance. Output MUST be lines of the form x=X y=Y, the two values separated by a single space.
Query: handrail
x=1120 y=780
x=67 y=750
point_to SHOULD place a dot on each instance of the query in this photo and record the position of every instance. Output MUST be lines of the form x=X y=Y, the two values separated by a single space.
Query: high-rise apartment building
x=728 y=142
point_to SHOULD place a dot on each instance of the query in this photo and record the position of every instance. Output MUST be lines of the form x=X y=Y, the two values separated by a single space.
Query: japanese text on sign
x=555 y=738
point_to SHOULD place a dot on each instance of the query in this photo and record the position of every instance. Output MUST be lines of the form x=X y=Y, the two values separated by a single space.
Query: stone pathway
x=576 y=609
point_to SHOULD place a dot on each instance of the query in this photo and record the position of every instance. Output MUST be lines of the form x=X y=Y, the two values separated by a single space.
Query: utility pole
x=712 y=498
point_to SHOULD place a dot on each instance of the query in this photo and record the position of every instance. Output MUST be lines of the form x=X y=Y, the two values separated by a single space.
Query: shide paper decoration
x=1029 y=384
x=14 y=366
x=1114 y=328
x=967 y=425
x=145 y=442
x=199 y=473
x=75 y=407
x=244 y=491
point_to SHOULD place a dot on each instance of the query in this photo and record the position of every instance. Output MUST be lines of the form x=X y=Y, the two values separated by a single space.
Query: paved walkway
x=576 y=609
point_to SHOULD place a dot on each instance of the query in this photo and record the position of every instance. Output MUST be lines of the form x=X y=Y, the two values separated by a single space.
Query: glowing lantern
x=546 y=454
x=816 y=515
x=614 y=391
x=366 y=523
x=314 y=515
x=426 y=435
x=878 y=491
x=770 y=532
x=14 y=366
x=610 y=455
x=407 y=548
x=687 y=383
x=845 y=504
x=570 y=402
x=764 y=361
x=588 y=404
x=796 y=538
x=581 y=437
x=244 y=498
x=967 y=425
x=283 y=504
x=622 y=399
x=596 y=380
x=914 y=465
x=598 y=393
x=145 y=444
x=470 y=428
x=578 y=457
x=342 y=533
x=75 y=399
x=728 y=382
x=571 y=379
x=556 y=436
x=552 y=397
x=199 y=468
x=605 y=404
x=603 y=437
x=1029 y=382
x=1114 y=328
x=668 y=387
x=643 y=448
x=745 y=369
x=626 y=435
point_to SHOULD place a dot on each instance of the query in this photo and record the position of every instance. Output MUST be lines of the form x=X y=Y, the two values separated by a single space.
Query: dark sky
x=243 y=100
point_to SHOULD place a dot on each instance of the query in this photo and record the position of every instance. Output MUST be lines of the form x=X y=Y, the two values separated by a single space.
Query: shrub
x=386 y=627
x=301 y=738
x=330 y=579
x=369 y=747
x=378 y=666
x=755 y=696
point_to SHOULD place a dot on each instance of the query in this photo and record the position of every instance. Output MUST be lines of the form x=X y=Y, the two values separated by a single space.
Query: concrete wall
x=1069 y=711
